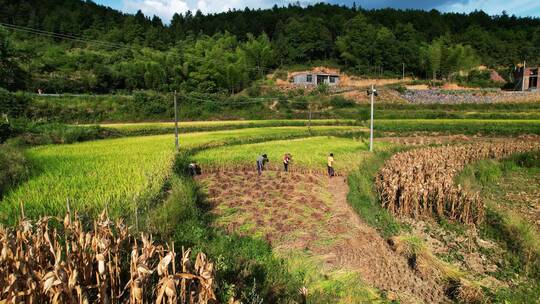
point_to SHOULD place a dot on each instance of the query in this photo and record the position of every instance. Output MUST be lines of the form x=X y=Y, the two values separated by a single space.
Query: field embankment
x=155 y=128
x=490 y=127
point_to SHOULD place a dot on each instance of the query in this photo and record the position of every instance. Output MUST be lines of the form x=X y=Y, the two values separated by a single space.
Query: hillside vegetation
x=226 y=52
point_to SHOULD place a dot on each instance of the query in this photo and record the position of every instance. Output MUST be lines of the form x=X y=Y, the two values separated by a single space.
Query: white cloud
x=165 y=9
x=495 y=7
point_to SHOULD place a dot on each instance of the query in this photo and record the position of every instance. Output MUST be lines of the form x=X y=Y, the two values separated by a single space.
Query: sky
x=166 y=8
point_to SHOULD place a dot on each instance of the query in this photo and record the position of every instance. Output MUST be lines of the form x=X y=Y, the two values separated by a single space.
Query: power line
x=62 y=36
x=254 y=100
x=59 y=35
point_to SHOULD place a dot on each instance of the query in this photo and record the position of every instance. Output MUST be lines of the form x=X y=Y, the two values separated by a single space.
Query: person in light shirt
x=331 y=165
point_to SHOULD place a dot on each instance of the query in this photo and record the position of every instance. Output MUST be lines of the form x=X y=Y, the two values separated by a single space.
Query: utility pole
x=309 y=118
x=176 y=123
x=371 y=92
x=523 y=77
x=403 y=71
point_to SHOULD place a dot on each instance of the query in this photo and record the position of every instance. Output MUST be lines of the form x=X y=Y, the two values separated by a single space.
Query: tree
x=434 y=56
x=258 y=52
x=306 y=39
x=459 y=58
x=356 y=44
x=11 y=76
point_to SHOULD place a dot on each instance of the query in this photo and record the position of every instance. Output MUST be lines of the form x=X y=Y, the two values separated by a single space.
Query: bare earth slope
x=310 y=212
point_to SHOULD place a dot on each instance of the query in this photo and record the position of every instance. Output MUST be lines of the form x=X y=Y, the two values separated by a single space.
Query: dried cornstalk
x=420 y=183
x=42 y=264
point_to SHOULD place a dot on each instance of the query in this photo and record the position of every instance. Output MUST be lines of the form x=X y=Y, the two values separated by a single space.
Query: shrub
x=254 y=90
x=6 y=130
x=322 y=89
x=13 y=105
x=14 y=167
x=478 y=79
x=151 y=104
x=299 y=103
x=341 y=102
x=39 y=133
x=280 y=74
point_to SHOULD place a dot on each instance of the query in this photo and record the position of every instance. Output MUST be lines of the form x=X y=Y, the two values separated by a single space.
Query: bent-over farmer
x=261 y=161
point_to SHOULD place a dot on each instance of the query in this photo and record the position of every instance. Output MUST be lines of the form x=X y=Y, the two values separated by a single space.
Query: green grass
x=117 y=174
x=132 y=129
x=121 y=174
x=308 y=153
x=365 y=200
x=506 y=223
x=330 y=286
x=459 y=126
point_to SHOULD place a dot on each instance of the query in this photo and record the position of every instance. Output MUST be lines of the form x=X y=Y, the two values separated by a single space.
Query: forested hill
x=429 y=43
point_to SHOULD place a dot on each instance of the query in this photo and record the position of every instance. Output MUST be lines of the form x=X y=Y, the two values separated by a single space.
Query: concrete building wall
x=314 y=79
x=303 y=79
x=527 y=78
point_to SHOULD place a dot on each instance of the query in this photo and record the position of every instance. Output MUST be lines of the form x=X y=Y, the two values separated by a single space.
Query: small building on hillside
x=314 y=78
x=526 y=78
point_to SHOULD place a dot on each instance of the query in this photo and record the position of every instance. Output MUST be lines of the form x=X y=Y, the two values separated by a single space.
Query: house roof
x=315 y=73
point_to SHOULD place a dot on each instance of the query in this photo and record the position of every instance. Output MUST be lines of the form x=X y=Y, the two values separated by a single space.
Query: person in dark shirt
x=261 y=161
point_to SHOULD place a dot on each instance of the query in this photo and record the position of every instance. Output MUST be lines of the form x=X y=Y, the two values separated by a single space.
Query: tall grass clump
x=320 y=286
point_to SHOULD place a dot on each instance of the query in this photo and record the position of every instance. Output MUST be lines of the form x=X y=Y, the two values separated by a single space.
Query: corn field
x=55 y=261
x=420 y=183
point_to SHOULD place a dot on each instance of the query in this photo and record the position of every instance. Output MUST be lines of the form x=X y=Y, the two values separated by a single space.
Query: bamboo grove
x=420 y=183
x=50 y=261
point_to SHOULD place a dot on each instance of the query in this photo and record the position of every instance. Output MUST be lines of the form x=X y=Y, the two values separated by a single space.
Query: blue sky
x=166 y=8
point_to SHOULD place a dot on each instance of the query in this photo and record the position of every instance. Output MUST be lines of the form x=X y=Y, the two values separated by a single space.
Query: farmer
x=331 y=164
x=286 y=160
x=261 y=160
x=194 y=169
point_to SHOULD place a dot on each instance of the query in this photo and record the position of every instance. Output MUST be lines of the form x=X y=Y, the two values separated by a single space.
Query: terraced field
x=459 y=126
x=302 y=214
x=308 y=154
x=197 y=126
x=306 y=212
x=119 y=174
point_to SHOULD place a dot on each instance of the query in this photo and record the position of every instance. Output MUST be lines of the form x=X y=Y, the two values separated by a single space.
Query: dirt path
x=368 y=253
x=310 y=212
